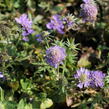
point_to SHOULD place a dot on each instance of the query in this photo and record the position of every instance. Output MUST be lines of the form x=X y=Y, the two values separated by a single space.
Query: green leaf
x=12 y=51
x=46 y=104
x=2 y=105
x=84 y=62
x=1 y=94
x=24 y=84
x=28 y=106
x=21 y=104
x=38 y=18
x=58 y=8
x=10 y=105
x=36 y=104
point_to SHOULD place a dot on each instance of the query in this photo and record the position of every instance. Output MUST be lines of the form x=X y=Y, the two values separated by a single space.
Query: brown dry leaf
x=90 y=91
x=96 y=106
x=69 y=101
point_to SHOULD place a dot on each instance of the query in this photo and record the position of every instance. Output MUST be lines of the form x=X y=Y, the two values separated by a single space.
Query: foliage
x=28 y=82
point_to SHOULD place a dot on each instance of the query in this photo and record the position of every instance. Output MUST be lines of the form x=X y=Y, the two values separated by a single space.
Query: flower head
x=83 y=75
x=89 y=11
x=26 y=24
x=90 y=78
x=55 y=55
x=88 y=1
x=24 y=21
x=56 y=23
x=97 y=78
x=68 y=22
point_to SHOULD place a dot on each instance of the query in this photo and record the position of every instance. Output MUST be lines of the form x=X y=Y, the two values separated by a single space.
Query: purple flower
x=83 y=75
x=68 y=22
x=27 y=32
x=24 y=21
x=1 y=75
x=25 y=38
x=97 y=78
x=26 y=24
x=55 y=55
x=39 y=37
x=90 y=78
x=56 y=23
x=87 y=1
x=42 y=36
x=89 y=11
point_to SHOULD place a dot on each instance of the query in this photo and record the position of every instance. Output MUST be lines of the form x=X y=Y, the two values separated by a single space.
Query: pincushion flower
x=89 y=78
x=83 y=75
x=56 y=23
x=26 y=25
x=68 y=22
x=97 y=78
x=55 y=55
x=89 y=11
